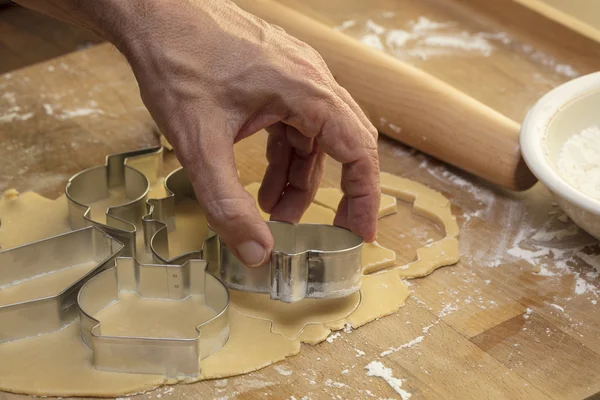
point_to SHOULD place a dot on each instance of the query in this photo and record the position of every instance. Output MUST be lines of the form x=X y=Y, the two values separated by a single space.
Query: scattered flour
x=79 y=112
x=428 y=327
x=397 y=38
x=345 y=25
x=377 y=369
x=579 y=161
x=462 y=41
x=556 y=306
x=13 y=116
x=423 y=24
x=243 y=386
x=283 y=370
x=375 y=28
x=333 y=336
x=221 y=383
x=48 y=109
x=359 y=353
x=395 y=128
x=331 y=383
x=413 y=342
x=448 y=309
x=13 y=110
x=372 y=40
x=582 y=286
x=424 y=39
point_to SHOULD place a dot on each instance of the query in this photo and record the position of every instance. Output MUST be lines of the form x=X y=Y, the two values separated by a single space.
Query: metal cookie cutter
x=93 y=184
x=161 y=219
x=308 y=261
x=151 y=355
x=33 y=260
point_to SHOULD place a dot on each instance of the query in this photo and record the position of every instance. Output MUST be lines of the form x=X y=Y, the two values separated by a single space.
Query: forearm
x=113 y=20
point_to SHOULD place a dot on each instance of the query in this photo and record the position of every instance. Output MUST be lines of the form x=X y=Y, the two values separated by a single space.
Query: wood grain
x=27 y=37
x=497 y=330
x=582 y=16
x=430 y=112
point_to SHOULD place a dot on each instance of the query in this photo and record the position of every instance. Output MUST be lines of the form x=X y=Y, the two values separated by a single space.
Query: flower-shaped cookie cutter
x=152 y=355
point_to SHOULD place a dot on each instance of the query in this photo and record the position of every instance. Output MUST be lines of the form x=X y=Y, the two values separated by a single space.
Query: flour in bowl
x=579 y=161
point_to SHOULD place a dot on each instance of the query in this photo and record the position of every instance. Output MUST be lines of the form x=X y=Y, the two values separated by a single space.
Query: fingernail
x=251 y=253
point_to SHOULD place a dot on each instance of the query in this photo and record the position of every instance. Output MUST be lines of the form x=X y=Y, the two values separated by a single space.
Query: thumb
x=230 y=210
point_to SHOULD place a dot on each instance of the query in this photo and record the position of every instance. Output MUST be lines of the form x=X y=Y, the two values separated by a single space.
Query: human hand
x=211 y=74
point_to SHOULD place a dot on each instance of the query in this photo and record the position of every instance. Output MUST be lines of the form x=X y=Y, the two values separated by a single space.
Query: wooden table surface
x=501 y=330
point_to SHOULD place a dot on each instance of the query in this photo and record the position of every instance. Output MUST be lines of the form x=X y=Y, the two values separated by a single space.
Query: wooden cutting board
x=503 y=331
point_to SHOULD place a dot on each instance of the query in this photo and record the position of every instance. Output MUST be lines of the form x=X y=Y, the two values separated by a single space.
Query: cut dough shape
x=427 y=203
x=375 y=257
x=331 y=197
x=289 y=319
x=59 y=363
x=134 y=316
x=435 y=207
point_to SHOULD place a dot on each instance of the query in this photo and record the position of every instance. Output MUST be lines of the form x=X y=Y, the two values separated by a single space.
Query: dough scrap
x=427 y=203
x=290 y=319
x=435 y=207
x=59 y=363
x=375 y=257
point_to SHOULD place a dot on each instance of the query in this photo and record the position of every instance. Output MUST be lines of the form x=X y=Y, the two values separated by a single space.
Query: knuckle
x=226 y=212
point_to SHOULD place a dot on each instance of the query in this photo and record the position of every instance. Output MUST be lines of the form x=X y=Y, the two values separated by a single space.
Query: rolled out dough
x=262 y=332
x=135 y=316
x=427 y=203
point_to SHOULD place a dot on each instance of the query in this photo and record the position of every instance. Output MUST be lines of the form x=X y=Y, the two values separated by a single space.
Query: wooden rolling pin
x=420 y=110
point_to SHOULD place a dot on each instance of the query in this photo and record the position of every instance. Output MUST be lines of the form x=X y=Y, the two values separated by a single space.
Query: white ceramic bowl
x=561 y=113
